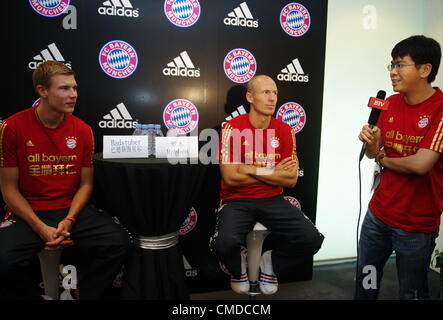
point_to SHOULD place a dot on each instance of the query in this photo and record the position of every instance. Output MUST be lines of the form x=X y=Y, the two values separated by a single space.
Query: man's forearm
x=276 y=177
x=398 y=165
x=241 y=180
x=373 y=149
x=272 y=176
x=80 y=200
x=245 y=174
x=418 y=164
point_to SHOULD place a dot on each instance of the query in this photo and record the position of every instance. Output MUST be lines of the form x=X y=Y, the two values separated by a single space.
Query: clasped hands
x=57 y=238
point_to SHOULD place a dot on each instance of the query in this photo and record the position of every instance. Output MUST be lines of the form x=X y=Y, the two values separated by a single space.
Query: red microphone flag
x=378 y=104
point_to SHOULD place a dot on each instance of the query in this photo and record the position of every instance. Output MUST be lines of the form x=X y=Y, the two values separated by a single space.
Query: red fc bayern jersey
x=406 y=201
x=49 y=160
x=240 y=142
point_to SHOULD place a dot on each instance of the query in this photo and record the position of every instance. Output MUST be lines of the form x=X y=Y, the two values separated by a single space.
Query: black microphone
x=377 y=105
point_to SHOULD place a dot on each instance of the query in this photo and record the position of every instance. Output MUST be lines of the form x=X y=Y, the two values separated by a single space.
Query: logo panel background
x=147 y=91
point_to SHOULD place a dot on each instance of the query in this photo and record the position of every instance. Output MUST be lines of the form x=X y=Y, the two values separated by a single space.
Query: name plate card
x=176 y=147
x=125 y=147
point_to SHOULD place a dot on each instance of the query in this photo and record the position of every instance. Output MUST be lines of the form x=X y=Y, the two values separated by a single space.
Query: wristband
x=70 y=219
x=378 y=159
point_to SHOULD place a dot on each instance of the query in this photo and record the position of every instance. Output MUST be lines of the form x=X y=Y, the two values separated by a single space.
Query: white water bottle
x=151 y=140
x=138 y=130
x=144 y=130
x=158 y=131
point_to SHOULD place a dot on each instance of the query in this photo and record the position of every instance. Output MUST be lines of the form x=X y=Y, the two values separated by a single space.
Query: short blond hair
x=251 y=84
x=45 y=71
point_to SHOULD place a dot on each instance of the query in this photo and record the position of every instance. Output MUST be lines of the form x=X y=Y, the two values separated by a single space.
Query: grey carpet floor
x=329 y=282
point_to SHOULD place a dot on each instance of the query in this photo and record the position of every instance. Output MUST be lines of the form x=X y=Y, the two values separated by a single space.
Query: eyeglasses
x=398 y=66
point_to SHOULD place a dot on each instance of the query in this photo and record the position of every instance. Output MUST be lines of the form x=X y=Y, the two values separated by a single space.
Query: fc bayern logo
x=240 y=65
x=275 y=143
x=71 y=142
x=182 y=13
x=423 y=123
x=118 y=59
x=293 y=114
x=182 y=115
x=295 y=19
x=189 y=223
x=49 y=8
x=293 y=201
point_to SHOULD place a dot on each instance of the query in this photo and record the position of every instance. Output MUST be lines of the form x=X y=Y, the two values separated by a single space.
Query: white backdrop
x=360 y=37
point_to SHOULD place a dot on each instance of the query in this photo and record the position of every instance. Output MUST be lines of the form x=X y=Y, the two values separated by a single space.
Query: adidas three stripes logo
x=181 y=66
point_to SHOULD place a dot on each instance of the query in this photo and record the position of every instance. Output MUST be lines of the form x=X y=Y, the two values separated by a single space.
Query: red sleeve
x=8 y=146
x=225 y=148
x=88 y=150
x=289 y=145
x=434 y=138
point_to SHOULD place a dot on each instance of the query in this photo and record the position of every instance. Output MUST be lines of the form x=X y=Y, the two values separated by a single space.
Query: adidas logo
x=120 y=8
x=189 y=270
x=118 y=117
x=293 y=72
x=181 y=66
x=240 y=110
x=51 y=53
x=241 y=17
x=30 y=144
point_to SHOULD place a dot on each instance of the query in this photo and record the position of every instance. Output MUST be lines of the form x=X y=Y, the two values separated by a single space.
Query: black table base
x=151 y=198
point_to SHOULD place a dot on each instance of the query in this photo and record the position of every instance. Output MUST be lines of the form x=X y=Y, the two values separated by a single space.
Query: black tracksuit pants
x=297 y=235
x=103 y=243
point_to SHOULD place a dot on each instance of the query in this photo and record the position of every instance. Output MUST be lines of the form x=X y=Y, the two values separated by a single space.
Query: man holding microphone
x=407 y=142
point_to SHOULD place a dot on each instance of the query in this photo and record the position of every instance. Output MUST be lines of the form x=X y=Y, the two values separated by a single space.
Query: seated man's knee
x=7 y=263
x=226 y=244
x=315 y=240
x=123 y=240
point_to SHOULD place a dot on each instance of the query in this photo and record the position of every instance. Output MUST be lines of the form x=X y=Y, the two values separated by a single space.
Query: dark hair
x=422 y=50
